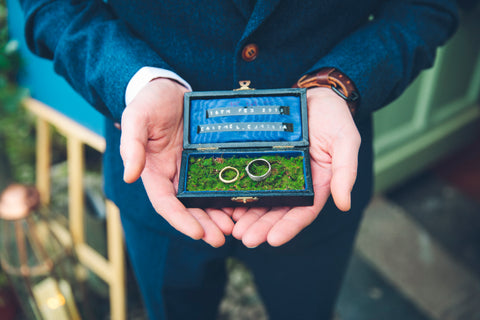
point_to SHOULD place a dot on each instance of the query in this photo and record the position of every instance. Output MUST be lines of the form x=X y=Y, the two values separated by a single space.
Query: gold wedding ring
x=220 y=175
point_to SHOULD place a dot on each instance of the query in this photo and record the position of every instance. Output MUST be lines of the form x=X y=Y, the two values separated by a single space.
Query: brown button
x=250 y=52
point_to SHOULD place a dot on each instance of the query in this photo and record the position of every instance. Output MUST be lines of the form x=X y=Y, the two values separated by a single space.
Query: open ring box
x=232 y=128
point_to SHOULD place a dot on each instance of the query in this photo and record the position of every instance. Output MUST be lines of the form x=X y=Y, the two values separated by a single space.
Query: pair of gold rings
x=252 y=176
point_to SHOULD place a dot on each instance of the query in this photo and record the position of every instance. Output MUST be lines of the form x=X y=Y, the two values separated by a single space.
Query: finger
x=161 y=193
x=239 y=212
x=132 y=145
x=246 y=220
x=228 y=211
x=222 y=220
x=257 y=233
x=179 y=217
x=297 y=219
x=212 y=234
x=344 y=169
x=290 y=225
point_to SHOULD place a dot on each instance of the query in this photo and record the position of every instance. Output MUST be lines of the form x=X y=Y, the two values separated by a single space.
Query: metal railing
x=111 y=268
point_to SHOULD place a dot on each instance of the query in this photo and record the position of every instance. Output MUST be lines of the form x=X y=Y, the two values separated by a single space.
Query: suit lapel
x=262 y=10
x=244 y=7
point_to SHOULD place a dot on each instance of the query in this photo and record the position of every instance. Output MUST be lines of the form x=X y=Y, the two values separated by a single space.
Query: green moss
x=203 y=173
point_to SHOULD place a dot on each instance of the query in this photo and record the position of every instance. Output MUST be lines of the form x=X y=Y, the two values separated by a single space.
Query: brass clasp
x=245 y=199
x=244 y=85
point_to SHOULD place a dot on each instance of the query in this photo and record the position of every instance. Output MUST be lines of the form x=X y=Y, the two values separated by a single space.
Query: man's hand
x=151 y=148
x=334 y=145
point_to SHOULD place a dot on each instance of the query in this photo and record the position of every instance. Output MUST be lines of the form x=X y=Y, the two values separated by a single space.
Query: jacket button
x=250 y=52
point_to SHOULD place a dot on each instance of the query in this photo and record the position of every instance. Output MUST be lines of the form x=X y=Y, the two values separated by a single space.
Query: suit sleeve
x=387 y=53
x=95 y=52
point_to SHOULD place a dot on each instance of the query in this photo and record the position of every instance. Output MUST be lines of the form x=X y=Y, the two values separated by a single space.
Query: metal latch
x=244 y=85
x=245 y=199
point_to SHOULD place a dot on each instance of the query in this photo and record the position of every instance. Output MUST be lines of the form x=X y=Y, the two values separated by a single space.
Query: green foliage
x=17 y=145
x=203 y=173
x=10 y=63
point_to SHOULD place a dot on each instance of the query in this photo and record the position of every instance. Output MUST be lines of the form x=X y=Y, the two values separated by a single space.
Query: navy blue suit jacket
x=97 y=47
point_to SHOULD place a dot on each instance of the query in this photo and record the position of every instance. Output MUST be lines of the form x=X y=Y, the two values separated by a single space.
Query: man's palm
x=334 y=145
x=151 y=147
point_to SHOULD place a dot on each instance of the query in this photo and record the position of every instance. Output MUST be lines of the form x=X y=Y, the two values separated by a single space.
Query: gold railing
x=111 y=268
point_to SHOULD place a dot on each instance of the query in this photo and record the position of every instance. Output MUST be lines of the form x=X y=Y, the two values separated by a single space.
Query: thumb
x=344 y=170
x=132 y=144
x=341 y=187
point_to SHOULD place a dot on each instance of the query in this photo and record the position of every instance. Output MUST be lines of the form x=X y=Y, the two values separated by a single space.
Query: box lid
x=245 y=118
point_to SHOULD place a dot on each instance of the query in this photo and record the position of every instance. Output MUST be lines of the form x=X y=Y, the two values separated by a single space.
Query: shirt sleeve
x=147 y=74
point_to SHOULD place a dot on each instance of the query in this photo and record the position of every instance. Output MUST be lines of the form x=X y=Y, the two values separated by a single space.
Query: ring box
x=232 y=128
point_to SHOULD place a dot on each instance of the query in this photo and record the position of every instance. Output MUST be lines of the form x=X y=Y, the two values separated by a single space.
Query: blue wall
x=38 y=76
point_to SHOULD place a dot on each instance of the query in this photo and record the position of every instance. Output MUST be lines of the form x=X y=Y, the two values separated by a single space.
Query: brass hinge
x=207 y=149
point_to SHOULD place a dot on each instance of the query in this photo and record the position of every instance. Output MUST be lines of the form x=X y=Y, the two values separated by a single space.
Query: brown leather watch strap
x=334 y=79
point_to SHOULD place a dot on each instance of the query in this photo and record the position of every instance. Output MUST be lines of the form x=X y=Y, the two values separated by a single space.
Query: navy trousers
x=182 y=278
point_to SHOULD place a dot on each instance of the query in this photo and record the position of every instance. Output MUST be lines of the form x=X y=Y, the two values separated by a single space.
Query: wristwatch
x=334 y=79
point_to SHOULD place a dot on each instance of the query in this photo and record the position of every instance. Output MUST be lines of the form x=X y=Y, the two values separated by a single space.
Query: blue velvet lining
x=198 y=117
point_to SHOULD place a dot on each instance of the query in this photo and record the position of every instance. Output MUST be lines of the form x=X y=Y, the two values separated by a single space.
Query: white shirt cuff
x=147 y=74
